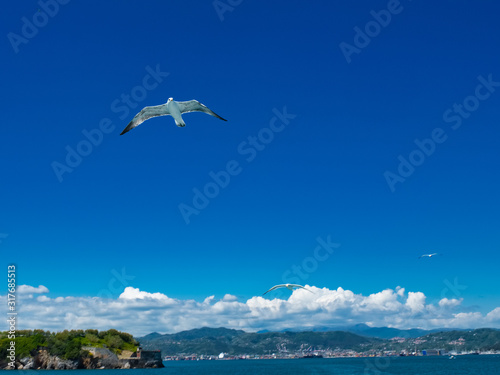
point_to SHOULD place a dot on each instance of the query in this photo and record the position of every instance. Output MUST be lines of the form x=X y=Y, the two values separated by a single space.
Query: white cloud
x=416 y=301
x=229 y=298
x=140 y=312
x=400 y=291
x=134 y=293
x=450 y=303
x=494 y=315
x=27 y=289
x=208 y=300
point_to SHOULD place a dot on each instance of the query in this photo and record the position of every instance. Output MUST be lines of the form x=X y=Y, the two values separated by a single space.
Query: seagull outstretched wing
x=276 y=287
x=288 y=286
x=196 y=106
x=146 y=113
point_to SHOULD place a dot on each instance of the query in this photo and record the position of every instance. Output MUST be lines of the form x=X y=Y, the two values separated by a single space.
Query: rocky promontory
x=77 y=349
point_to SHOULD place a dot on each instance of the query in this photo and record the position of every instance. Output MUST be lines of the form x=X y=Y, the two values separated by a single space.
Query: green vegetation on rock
x=66 y=344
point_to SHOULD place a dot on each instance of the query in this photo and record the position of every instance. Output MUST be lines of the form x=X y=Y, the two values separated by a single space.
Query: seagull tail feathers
x=180 y=123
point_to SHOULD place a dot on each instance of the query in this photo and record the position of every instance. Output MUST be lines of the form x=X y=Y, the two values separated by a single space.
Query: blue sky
x=323 y=175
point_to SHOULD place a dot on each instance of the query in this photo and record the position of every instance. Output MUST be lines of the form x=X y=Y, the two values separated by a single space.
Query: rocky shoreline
x=45 y=361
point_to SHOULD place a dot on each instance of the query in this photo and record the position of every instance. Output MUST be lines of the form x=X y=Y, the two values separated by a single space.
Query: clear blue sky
x=323 y=175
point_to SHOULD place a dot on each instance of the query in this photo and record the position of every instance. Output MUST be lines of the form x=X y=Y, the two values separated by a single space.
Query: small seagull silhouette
x=428 y=255
x=289 y=286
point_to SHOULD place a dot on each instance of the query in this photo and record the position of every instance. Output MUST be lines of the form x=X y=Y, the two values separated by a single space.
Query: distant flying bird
x=288 y=286
x=172 y=108
x=428 y=255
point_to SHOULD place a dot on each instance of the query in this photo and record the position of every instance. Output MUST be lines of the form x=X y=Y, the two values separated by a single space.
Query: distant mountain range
x=212 y=341
x=379 y=332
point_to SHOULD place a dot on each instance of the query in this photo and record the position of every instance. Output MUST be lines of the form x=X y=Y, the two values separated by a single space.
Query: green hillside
x=483 y=339
x=66 y=344
x=212 y=341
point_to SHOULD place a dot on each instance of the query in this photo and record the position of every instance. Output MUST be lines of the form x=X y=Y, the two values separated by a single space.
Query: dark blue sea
x=461 y=365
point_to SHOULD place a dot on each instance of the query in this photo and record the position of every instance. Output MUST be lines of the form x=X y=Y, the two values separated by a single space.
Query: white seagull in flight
x=172 y=108
x=288 y=286
x=428 y=255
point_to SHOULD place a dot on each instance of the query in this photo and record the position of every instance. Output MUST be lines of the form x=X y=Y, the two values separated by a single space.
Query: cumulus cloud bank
x=140 y=312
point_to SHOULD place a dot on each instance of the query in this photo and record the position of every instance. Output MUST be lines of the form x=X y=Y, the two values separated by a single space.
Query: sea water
x=461 y=365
